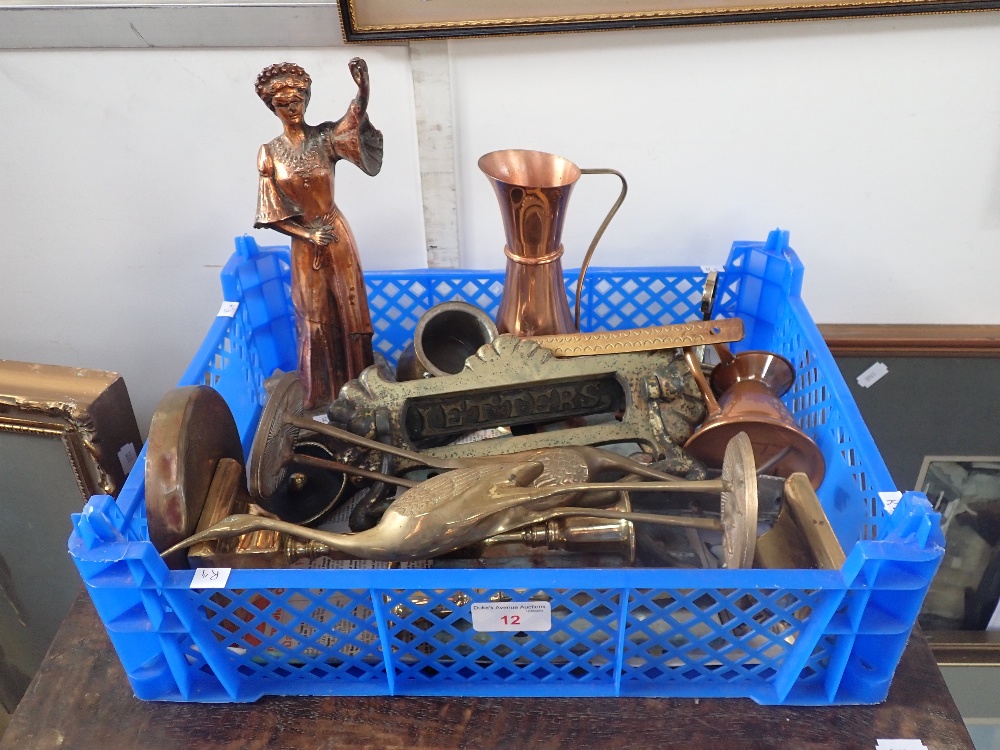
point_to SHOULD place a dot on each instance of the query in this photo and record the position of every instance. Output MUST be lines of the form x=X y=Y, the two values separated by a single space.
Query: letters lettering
x=437 y=416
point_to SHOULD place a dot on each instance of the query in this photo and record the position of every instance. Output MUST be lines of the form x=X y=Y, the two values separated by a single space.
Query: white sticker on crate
x=872 y=375
x=890 y=500
x=900 y=745
x=210 y=578
x=228 y=309
x=511 y=616
x=710 y=269
x=127 y=457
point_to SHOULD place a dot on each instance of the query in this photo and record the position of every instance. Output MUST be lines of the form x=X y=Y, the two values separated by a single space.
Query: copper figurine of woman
x=296 y=198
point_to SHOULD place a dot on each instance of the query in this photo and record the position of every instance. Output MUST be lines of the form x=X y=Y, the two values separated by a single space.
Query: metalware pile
x=514 y=442
x=494 y=450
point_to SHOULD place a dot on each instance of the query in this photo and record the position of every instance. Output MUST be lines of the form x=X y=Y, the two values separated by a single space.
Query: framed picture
x=65 y=434
x=965 y=490
x=929 y=395
x=394 y=20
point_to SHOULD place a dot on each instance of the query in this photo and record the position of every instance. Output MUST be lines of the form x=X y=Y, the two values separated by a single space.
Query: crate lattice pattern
x=699 y=635
x=687 y=636
x=617 y=299
x=307 y=634
x=433 y=639
x=234 y=351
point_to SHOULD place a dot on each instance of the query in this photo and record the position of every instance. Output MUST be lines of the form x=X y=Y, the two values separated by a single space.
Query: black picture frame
x=366 y=21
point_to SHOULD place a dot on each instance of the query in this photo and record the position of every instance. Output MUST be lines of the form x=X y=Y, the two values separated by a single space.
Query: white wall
x=876 y=142
x=125 y=176
x=126 y=173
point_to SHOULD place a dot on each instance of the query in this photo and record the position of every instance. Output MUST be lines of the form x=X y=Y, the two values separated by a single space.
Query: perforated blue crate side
x=639 y=297
x=240 y=351
x=795 y=637
x=679 y=651
x=397 y=299
x=228 y=361
x=259 y=278
x=824 y=408
x=762 y=284
x=678 y=640
x=126 y=580
x=891 y=578
x=614 y=298
x=758 y=280
x=131 y=499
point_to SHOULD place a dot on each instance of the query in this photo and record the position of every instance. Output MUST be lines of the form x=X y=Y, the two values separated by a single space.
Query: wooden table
x=81 y=700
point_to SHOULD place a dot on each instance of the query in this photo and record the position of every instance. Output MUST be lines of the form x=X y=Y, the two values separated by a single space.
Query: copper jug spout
x=533 y=189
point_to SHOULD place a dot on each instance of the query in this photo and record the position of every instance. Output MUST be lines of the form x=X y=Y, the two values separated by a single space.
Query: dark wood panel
x=905 y=340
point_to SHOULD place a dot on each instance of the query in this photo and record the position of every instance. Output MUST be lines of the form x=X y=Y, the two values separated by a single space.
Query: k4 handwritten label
x=890 y=500
x=210 y=578
x=511 y=616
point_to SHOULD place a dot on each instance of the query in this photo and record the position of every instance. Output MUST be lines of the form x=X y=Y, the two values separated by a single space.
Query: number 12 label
x=511 y=616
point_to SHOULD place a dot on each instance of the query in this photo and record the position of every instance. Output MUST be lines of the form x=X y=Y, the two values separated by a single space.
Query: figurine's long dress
x=328 y=288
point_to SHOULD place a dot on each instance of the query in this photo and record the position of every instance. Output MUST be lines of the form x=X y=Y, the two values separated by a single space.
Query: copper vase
x=750 y=385
x=533 y=189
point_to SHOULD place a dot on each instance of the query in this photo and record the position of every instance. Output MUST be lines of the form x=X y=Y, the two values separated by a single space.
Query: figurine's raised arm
x=359 y=71
x=354 y=138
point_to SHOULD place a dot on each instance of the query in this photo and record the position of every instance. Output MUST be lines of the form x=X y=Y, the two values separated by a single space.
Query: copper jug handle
x=597 y=237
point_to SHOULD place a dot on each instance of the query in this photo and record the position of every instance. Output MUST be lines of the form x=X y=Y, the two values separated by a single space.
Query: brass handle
x=648 y=339
x=699 y=377
x=597 y=237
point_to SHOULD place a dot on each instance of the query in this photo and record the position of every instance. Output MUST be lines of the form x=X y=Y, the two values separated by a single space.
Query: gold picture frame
x=401 y=20
x=88 y=410
x=65 y=434
x=967 y=359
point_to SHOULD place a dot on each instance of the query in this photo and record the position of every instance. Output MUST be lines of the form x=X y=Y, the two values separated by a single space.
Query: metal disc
x=274 y=441
x=739 y=503
x=192 y=430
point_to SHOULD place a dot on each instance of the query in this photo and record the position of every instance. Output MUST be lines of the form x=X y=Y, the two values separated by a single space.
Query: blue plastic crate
x=792 y=637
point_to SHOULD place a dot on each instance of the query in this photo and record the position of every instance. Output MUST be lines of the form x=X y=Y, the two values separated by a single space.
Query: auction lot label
x=511 y=616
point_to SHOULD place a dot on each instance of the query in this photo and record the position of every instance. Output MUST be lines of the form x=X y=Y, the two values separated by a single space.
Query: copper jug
x=750 y=385
x=533 y=189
